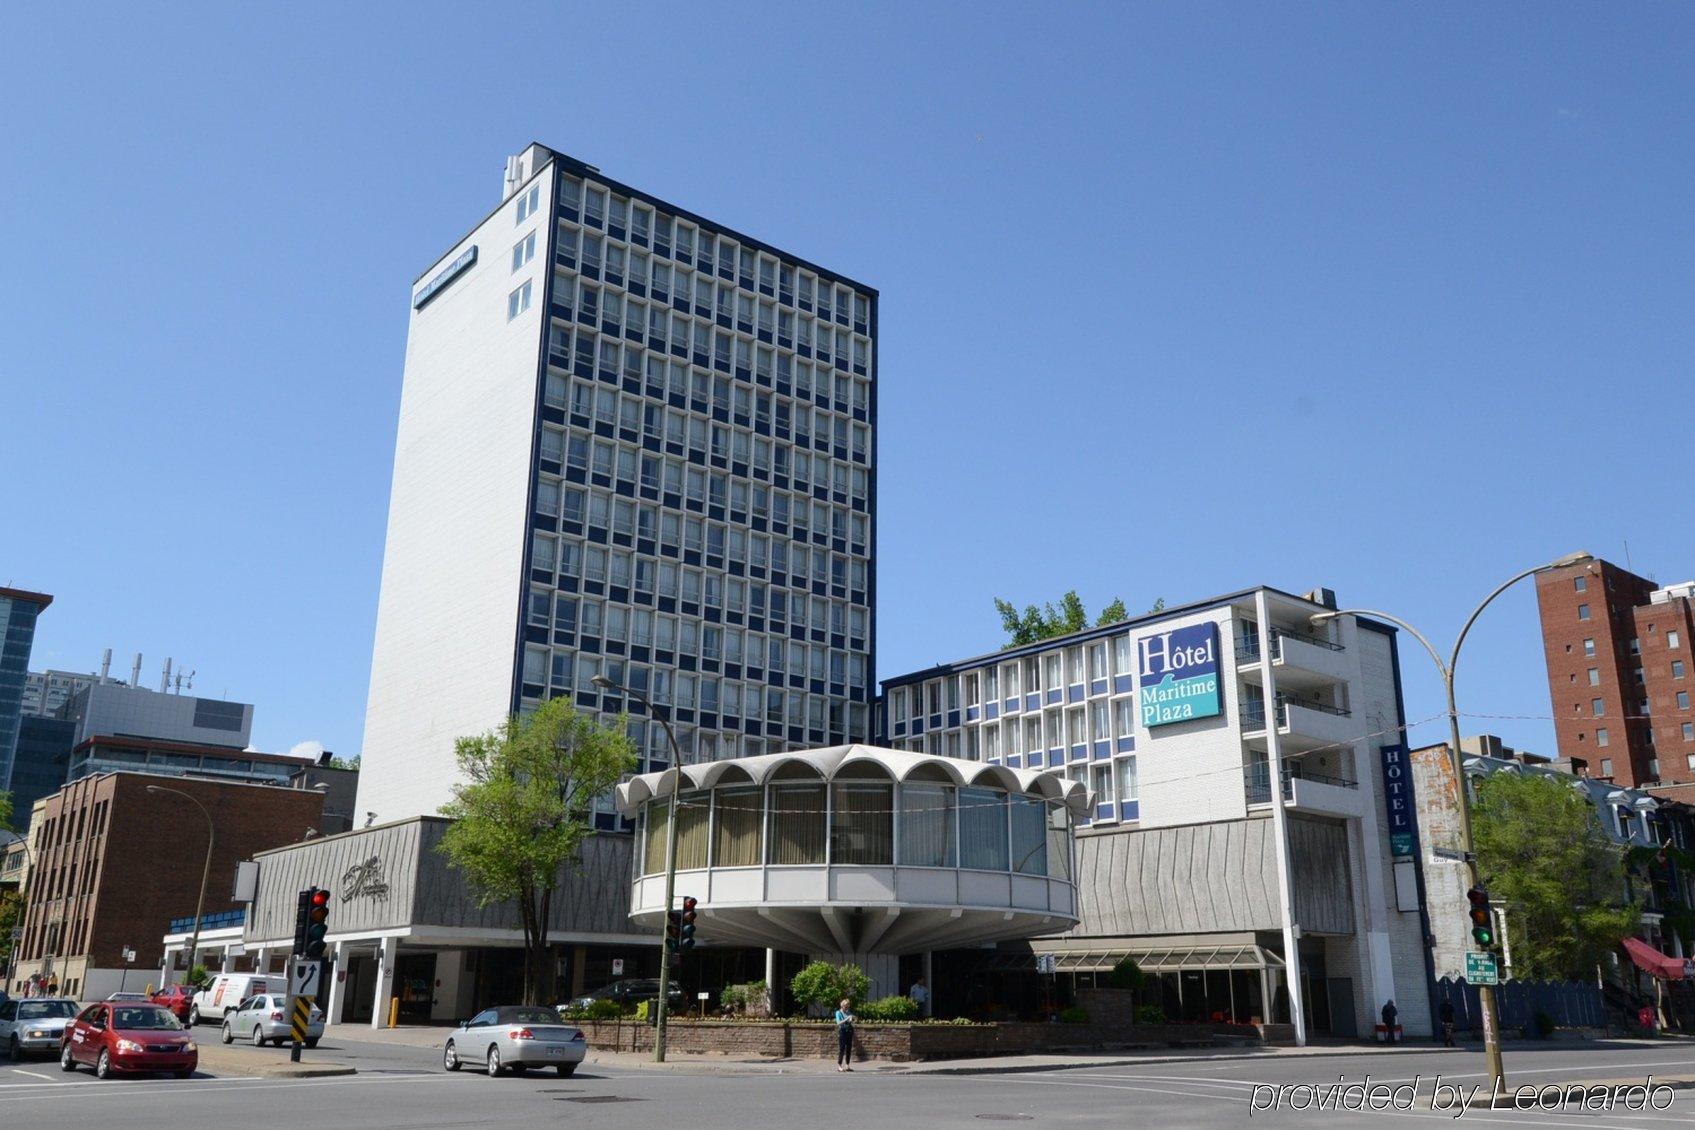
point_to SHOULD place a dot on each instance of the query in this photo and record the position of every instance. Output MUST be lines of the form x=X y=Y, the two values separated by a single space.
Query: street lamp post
x=1485 y=993
x=607 y=684
x=205 y=870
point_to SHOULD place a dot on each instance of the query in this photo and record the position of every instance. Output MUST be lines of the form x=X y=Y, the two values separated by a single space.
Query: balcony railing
x=1247 y=647
x=1257 y=779
x=1253 y=713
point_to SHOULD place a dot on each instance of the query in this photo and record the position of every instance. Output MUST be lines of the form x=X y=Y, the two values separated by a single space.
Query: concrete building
x=113 y=863
x=632 y=442
x=181 y=759
x=47 y=692
x=1617 y=647
x=125 y=710
x=18 y=611
x=1184 y=724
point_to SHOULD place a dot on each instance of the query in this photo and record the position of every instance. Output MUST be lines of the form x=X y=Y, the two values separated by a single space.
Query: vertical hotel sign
x=1398 y=800
x=1178 y=674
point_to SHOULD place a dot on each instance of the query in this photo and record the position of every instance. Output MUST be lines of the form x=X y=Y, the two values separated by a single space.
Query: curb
x=1152 y=1060
x=242 y=1063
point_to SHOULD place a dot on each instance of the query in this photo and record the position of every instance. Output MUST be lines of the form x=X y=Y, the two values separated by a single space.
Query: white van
x=228 y=990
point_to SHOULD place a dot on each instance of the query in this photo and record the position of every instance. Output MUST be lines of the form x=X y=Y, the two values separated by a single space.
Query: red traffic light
x=320 y=897
x=1478 y=897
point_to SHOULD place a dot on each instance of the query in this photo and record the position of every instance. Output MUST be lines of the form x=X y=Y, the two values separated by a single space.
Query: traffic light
x=1482 y=924
x=317 y=923
x=673 y=929
x=302 y=907
x=685 y=933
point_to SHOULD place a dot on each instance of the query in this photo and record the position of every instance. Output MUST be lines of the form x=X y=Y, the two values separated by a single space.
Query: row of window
x=1056 y=670
x=633 y=222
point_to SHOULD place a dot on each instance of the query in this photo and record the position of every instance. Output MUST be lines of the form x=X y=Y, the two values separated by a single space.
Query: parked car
x=515 y=1037
x=225 y=992
x=264 y=1018
x=126 y=1037
x=629 y=991
x=177 y=998
x=34 y=1024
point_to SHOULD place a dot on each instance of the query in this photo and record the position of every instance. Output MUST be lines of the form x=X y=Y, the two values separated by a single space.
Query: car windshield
x=129 y=1019
x=45 y=1010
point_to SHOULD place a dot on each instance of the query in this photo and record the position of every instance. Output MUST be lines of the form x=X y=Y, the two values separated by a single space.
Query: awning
x=1651 y=960
x=1170 y=960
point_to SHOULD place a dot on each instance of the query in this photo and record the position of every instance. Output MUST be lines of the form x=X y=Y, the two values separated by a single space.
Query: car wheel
x=565 y=1069
x=312 y=1041
x=493 y=1067
x=103 y=1065
x=258 y=1036
x=184 y=1073
x=67 y=1062
x=16 y=1051
x=450 y=1058
x=228 y=1037
x=193 y=1015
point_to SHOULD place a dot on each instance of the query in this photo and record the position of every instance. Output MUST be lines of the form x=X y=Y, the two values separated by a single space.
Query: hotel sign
x=1398 y=800
x=1178 y=675
x=444 y=276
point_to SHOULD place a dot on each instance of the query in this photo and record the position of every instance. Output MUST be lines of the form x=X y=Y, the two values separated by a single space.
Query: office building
x=114 y=863
x=109 y=709
x=18 y=611
x=40 y=764
x=1617 y=647
x=633 y=442
x=1181 y=723
x=46 y=692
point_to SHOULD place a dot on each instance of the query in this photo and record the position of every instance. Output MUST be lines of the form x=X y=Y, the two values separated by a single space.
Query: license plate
x=556 y=1051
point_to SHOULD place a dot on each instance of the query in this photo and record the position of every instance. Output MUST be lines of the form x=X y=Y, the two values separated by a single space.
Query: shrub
x=598 y=1010
x=1150 y=1014
x=821 y=984
x=1126 y=975
x=751 y=999
x=199 y=977
x=1073 y=1015
x=642 y=1008
x=891 y=1009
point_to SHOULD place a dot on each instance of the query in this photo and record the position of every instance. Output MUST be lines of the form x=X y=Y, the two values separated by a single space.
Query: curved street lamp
x=1486 y=993
x=607 y=684
x=205 y=870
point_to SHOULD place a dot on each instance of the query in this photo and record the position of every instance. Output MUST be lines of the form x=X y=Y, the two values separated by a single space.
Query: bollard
x=394 y=1012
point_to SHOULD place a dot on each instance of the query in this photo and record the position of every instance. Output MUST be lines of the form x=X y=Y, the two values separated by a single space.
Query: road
x=401 y=1086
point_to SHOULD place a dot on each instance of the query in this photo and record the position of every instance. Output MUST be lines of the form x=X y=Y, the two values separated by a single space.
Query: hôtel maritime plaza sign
x=1178 y=674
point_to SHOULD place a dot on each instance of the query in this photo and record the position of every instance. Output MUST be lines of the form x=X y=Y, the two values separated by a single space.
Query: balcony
x=1302 y=725
x=1305 y=791
x=1300 y=659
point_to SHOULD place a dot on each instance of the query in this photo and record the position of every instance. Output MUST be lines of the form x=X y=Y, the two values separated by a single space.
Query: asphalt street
x=403 y=1086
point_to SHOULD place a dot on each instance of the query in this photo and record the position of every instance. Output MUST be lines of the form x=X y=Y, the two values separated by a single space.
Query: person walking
x=920 y=996
x=53 y=985
x=844 y=1035
x=1389 y=1014
x=1446 y=1015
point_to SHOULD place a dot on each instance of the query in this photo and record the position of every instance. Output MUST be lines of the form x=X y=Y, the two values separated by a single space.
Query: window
x=1677 y=668
x=1128 y=787
x=529 y=203
x=1602 y=737
x=1581 y=584
x=1672 y=641
x=926 y=825
x=1597 y=707
x=862 y=825
x=524 y=251
x=1121 y=655
x=1029 y=835
x=1689 y=731
x=735 y=836
x=1606 y=767
x=1683 y=700
x=1583 y=612
x=797 y=825
x=1589 y=647
x=1594 y=676
x=982 y=829
x=518 y=301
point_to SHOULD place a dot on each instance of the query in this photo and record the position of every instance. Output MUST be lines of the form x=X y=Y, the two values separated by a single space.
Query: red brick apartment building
x=113 y=864
x=1621 y=674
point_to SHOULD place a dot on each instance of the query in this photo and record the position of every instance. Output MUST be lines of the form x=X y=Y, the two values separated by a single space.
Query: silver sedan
x=34 y=1024
x=515 y=1037
x=264 y=1019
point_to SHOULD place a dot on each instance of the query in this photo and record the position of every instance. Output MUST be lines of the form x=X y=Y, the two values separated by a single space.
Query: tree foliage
x=1127 y=975
x=5 y=811
x=521 y=811
x=1541 y=850
x=1034 y=624
x=823 y=985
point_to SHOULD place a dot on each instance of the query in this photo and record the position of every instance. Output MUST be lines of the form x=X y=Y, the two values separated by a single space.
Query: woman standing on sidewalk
x=844 y=1036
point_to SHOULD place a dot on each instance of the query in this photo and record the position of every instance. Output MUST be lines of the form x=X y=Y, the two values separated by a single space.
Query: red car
x=120 y=1037
x=177 y=998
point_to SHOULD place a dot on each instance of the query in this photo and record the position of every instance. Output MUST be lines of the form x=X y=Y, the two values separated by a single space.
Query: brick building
x=1618 y=655
x=114 y=864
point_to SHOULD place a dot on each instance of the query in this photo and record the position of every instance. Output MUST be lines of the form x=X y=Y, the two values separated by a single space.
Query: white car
x=34 y=1024
x=264 y=1019
x=515 y=1038
x=226 y=991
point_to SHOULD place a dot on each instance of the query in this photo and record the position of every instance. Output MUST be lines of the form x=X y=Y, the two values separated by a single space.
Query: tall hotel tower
x=632 y=442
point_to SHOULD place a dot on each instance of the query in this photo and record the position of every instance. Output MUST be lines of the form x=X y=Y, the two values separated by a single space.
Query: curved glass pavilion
x=856 y=849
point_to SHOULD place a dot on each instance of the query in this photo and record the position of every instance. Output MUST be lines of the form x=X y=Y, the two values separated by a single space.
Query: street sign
x=1450 y=853
x=1480 y=969
x=617 y=967
x=304 y=977
x=1046 y=963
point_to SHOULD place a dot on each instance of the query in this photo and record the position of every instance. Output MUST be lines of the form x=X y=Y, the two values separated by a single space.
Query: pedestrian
x=920 y=995
x=844 y=1035
x=53 y=985
x=1389 y=1014
x=1446 y=1015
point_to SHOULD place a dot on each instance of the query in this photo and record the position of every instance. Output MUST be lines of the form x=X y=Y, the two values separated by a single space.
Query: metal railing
x=1247 y=647
x=1253 y=713
x=1257 y=781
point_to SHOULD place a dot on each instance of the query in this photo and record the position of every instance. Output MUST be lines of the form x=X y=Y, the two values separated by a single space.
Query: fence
x=1572 y=1004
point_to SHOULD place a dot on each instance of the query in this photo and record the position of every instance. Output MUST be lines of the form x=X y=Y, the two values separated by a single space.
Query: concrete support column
x=337 y=989
x=772 y=996
x=262 y=960
x=1280 y=826
x=579 y=970
x=388 y=952
x=232 y=952
x=930 y=983
x=168 y=966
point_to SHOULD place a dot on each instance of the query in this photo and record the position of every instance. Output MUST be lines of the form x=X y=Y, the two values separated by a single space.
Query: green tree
x=522 y=810
x=1541 y=850
x=1034 y=624
x=822 y=985
x=345 y=762
x=1159 y=605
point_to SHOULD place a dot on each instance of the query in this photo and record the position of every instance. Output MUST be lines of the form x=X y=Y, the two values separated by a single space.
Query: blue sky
x=1176 y=299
